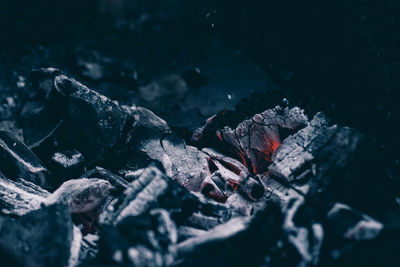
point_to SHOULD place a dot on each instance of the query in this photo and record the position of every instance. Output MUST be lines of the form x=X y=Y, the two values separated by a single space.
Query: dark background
x=187 y=60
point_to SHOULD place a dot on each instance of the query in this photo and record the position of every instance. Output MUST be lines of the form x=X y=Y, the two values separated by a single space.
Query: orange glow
x=243 y=159
x=234 y=185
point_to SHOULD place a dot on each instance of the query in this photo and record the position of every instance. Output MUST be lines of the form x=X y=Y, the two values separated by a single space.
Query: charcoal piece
x=212 y=208
x=81 y=195
x=44 y=109
x=307 y=239
x=230 y=163
x=148 y=239
x=66 y=165
x=240 y=206
x=151 y=190
x=251 y=188
x=75 y=246
x=116 y=181
x=210 y=189
x=17 y=199
x=353 y=225
x=39 y=238
x=88 y=248
x=255 y=140
x=151 y=135
x=18 y=161
x=278 y=192
x=32 y=188
x=88 y=121
x=316 y=152
x=241 y=241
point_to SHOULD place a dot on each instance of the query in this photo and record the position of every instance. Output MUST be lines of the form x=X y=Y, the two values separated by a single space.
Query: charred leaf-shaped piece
x=39 y=238
x=18 y=161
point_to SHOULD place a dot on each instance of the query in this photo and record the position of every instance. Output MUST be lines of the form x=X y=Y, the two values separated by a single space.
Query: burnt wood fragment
x=39 y=238
x=306 y=159
x=152 y=136
x=151 y=190
x=116 y=181
x=18 y=161
x=17 y=199
x=98 y=123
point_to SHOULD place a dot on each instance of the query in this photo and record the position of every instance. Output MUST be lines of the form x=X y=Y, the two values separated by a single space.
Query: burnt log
x=147 y=239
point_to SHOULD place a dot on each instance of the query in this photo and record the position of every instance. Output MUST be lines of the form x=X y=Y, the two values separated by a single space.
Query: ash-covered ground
x=257 y=180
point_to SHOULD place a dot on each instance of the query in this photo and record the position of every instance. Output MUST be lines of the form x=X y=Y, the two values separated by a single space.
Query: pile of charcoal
x=96 y=183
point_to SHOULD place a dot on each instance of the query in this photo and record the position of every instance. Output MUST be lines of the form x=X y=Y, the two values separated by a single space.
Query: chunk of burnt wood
x=151 y=135
x=116 y=181
x=306 y=238
x=255 y=140
x=316 y=151
x=238 y=242
x=147 y=239
x=17 y=199
x=151 y=190
x=66 y=165
x=80 y=118
x=81 y=195
x=39 y=238
x=44 y=110
x=18 y=161
x=353 y=225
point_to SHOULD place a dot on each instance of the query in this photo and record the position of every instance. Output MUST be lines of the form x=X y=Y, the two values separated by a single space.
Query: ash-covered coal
x=100 y=183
